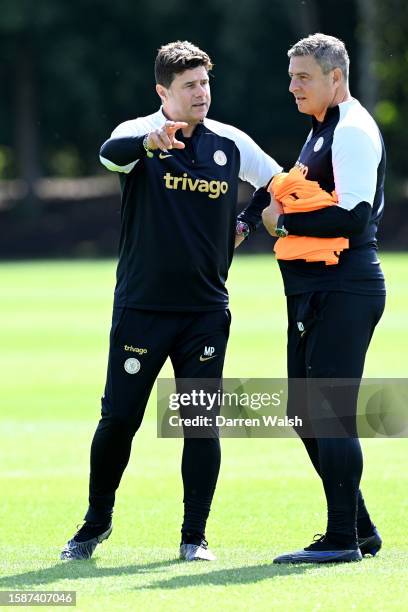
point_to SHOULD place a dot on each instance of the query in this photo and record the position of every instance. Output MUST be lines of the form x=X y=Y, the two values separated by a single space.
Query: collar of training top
x=198 y=128
x=332 y=113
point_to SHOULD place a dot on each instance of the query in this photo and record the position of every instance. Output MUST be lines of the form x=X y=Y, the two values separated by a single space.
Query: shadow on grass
x=75 y=570
x=236 y=575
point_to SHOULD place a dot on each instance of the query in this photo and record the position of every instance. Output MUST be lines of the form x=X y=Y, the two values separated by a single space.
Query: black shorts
x=141 y=341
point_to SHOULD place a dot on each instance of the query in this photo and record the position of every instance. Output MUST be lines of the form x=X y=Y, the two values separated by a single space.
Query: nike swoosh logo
x=207 y=358
x=161 y=156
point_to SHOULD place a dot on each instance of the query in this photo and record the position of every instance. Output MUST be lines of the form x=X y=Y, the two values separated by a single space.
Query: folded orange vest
x=297 y=194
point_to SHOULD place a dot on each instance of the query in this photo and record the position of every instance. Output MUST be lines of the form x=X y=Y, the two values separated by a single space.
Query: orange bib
x=297 y=194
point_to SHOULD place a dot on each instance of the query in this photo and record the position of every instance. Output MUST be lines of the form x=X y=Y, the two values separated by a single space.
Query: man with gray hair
x=333 y=309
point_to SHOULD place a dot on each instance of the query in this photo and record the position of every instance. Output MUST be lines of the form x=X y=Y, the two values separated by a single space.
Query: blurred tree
x=391 y=65
x=25 y=28
x=304 y=17
x=77 y=69
x=367 y=35
x=19 y=50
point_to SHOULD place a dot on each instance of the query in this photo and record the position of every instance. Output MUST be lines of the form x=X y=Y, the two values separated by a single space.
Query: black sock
x=188 y=537
x=200 y=467
x=110 y=452
x=91 y=530
x=365 y=526
x=341 y=465
x=341 y=541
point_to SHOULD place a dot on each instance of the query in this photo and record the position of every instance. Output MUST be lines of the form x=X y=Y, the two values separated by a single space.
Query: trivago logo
x=186 y=183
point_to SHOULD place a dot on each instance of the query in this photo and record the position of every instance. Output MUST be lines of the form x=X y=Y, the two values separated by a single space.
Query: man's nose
x=201 y=91
x=293 y=85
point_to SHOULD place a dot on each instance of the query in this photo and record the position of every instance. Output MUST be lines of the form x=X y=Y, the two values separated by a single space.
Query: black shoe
x=86 y=540
x=370 y=545
x=321 y=551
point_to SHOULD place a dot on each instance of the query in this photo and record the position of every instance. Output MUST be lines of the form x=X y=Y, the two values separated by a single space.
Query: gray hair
x=328 y=51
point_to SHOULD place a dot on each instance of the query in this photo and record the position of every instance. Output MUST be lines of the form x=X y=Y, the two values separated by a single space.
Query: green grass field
x=54 y=338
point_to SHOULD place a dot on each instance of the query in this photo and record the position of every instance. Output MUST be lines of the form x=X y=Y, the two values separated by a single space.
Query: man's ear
x=337 y=76
x=161 y=92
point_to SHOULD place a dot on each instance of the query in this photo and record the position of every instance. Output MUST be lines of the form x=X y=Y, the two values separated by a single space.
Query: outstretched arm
x=120 y=154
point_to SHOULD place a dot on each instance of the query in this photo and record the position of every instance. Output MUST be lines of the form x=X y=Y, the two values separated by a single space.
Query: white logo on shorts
x=132 y=365
x=300 y=325
x=318 y=144
x=220 y=158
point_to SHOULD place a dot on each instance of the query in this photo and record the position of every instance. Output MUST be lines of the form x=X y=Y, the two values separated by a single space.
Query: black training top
x=345 y=153
x=179 y=212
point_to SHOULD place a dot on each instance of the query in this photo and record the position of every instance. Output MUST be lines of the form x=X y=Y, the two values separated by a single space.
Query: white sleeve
x=134 y=127
x=257 y=167
x=355 y=157
x=127 y=128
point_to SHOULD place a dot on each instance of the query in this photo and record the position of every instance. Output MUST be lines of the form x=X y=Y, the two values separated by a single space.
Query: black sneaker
x=370 y=545
x=321 y=551
x=86 y=540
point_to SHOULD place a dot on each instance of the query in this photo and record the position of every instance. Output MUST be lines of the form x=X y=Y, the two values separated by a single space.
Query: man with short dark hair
x=333 y=309
x=179 y=176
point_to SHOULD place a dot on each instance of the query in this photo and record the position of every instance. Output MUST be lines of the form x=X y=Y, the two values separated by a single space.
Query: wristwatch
x=280 y=229
x=145 y=146
x=242 y=229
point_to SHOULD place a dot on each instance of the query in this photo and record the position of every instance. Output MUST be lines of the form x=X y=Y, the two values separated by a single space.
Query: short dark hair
x=176 y=57
x=328 y=51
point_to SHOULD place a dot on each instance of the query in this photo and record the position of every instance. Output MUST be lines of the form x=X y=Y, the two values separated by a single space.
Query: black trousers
x=328 y=337
x=140 y=342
